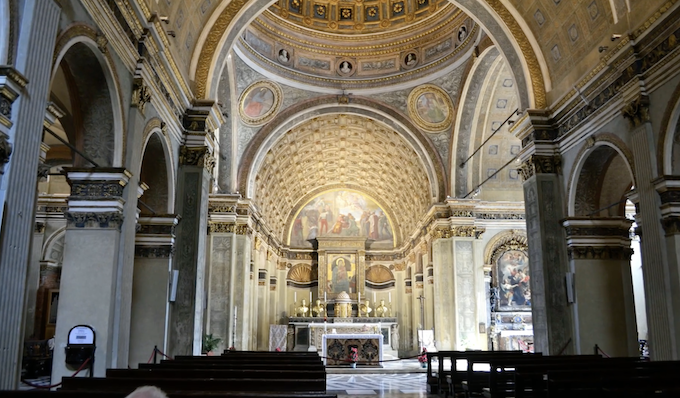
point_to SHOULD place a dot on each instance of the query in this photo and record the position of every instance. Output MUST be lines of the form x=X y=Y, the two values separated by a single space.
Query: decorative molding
x=398 y=267
x=599 y=253
x=165 y=251
x=39 y=228
x=598 y=231
x=503 y=242
x=457 y=232
x=540 y=164
x=218 y=207
x=197 y=156
x=157 y=229
x=637 y=111
x=92 y=220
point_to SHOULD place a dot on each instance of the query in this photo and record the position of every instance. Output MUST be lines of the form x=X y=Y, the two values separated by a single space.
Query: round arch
x=504 y=241
x=670 y=126
x=154 y=128
x=601 y=142
x=81 y=34
x=267 y=137
x=515 y=40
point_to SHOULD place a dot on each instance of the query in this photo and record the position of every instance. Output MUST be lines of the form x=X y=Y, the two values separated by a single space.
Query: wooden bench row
x=244 y=375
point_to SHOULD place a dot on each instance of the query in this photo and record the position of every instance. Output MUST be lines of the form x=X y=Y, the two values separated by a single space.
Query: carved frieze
x=165 y=251
x=229 y=228
x=157 y=229
x=89 y=190
x=197 y=156
x=398 y=267
x=93 y=220
x=597 y=231
x=540 y=164
x=221 y=208
x=637 y=111
x=599 y=253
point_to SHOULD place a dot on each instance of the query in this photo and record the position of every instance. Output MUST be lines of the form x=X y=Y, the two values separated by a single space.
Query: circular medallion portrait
x=345 y=67
x=430 y=107
x=259 y=102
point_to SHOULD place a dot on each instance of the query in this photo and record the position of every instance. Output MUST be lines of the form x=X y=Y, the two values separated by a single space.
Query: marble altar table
x=336 y=349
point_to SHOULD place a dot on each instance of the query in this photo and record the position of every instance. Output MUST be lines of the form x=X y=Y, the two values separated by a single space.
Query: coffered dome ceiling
x=358 y=43
x=343 y=151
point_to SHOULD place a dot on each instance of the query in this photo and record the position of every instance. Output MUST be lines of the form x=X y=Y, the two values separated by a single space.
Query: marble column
x=23 y=109
x=92 y=246
x=154 y=249
x=662 y=286
x=262 y=318
x=599 y=252
x=33 y=280
x=196 y=164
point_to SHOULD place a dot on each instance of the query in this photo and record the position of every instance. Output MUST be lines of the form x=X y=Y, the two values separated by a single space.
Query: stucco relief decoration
x=430 y=107
x=379 y=274
x=260 y=102
x=302 y=273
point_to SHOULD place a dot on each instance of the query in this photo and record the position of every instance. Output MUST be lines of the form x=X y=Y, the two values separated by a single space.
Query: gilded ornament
x=333 y=25
x=372 y=11
x=307 y=20
x=196 y=156
x=346 y=13
x=321 y=10
x=398 y=7
x=260 y=102
x=430 y=107
x=385 y=23
x=637 y=111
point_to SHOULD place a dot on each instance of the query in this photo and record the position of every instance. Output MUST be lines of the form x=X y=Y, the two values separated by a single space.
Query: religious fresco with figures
x=342 y=213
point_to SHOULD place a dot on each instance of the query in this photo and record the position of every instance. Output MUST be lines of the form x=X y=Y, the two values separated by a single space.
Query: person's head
x=341 y=262
x=147 y=392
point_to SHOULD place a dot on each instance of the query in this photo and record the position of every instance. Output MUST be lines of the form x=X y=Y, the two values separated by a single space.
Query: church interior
x=416 y=174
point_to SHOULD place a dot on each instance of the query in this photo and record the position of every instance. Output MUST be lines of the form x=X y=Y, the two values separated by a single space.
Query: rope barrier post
x=597 y=350
x=155 y=354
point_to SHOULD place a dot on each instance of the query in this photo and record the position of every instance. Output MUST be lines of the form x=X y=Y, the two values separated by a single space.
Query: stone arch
x=504 y=241
x=306 y=110
x=515 y=40
x=668 y=151
x=96 y=93
x=597 y=181
x=157 y=167
x=53 y=249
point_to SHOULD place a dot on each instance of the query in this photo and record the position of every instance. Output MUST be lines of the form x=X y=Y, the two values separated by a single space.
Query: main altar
x=342 y=316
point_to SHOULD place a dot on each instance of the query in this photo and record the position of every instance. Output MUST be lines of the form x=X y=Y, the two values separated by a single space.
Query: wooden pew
x=227 y=365
x=192 y=373
x=196 y=384
x=449 y=380
x=181 y=394
x=642 y=379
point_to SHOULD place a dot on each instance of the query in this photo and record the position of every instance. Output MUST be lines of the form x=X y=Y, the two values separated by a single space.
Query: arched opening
x=154 y=173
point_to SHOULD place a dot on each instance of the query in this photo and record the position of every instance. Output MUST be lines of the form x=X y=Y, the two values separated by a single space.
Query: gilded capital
x=197 y=156
x=540 y=164
x=141 y=95
x=637 y=111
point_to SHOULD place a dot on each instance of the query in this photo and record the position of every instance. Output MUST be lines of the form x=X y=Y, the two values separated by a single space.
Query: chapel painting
x=513 y=281
x=258 y=102
x=342 y=274
x=340 y=214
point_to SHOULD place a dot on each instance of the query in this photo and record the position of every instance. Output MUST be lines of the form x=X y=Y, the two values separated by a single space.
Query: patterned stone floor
x=403 y=385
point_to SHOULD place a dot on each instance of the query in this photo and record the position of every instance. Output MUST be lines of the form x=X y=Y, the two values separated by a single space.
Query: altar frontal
x=337 y=347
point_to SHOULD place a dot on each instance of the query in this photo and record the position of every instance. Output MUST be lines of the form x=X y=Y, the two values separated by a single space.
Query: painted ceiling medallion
x=259 y=102
x=430 y=107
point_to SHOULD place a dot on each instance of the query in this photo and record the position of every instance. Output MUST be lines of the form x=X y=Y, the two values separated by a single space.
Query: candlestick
x=310 y=298
x=324 y=297
x=374 y=300
x=294 y=297
x=389 y=297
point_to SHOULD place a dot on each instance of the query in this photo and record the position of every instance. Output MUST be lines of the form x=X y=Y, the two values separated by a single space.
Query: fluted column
x=444 y=289
x=196 y=163
x=599 y=253
x=91 y=252
x=154 y=249
x=662 y=292
x=21 y=118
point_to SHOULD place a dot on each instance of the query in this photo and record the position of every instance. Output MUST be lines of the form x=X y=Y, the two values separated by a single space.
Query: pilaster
x=229 y=311
x=20 y=137
x=552 y=316
x=662 y=293
x=599 y=252
x=151 y=283
x=92 y=241
x=196 y=163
